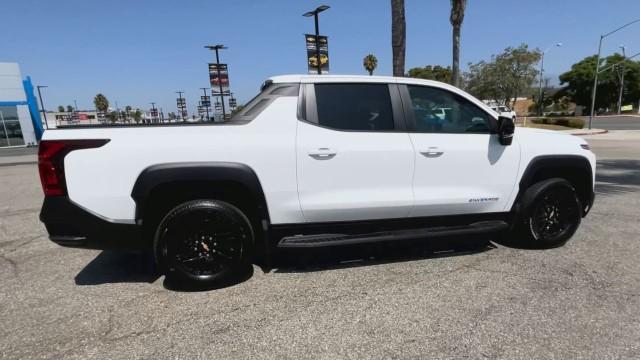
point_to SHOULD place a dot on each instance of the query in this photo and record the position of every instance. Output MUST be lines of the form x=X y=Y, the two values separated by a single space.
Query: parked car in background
x=504 y=111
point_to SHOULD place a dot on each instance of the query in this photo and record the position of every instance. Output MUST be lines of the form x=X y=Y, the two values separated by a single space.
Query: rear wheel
x=551 y=214
x=203 y=244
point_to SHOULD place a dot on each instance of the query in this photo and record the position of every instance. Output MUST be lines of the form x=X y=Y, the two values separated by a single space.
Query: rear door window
x=354 y=107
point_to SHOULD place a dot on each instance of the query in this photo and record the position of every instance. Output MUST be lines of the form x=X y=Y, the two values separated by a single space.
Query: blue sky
x=138 y=51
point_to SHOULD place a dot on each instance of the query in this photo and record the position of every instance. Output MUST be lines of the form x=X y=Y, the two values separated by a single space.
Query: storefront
x=19 y=118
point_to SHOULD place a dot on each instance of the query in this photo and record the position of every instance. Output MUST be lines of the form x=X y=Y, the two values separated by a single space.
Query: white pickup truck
x=313 y=161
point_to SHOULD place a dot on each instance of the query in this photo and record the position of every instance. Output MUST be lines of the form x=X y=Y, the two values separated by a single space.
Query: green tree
x=69 y=108
x=137 y=116
x=370 y=63
x=398 y=36
x=456 y=18
x=101 y=103
x=429 y=72
x=112 y=116
x=504 y=78
x=60 y=108
x=578 y=82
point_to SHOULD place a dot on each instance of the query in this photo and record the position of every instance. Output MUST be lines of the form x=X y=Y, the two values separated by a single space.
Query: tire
x=551 y=214
x=203 y=244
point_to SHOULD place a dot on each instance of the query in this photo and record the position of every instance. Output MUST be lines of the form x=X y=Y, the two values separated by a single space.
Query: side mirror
x=506 y=128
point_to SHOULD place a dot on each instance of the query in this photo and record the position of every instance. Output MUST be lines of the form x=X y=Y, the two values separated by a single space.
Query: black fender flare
x=574 y=163
x=166 y=173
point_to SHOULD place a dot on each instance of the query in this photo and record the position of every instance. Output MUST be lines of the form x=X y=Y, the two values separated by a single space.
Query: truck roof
x=303 y=78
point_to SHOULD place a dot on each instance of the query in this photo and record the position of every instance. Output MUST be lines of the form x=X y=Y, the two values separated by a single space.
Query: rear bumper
x=71 y=226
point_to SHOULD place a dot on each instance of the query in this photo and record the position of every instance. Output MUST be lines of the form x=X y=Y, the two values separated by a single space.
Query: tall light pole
x=204 y=91
x=540 y=104
x=595 y=78
x=624 y=57
x=216 y=48
x=315 y=13
x=44 y=112
x=76 y=105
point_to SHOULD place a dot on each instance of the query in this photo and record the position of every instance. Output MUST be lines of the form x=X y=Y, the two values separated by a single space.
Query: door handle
x=322 y=154
x=432 y=152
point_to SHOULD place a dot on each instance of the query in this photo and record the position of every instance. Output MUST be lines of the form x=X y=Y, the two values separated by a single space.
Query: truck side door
x=461 y=168
x=354 y=158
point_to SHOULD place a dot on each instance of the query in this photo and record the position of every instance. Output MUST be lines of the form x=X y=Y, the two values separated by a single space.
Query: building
x=20 y=123
x=56 y=118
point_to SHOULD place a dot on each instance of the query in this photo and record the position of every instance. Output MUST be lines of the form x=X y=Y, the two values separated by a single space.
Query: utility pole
x=540 y=104
x=216 y=48
x=624 y=57
x=181 y=109
x=204 y=91
x=76 y=105
x=595 y=78
x=44 y=112
x=153 y=111
x=315 y=13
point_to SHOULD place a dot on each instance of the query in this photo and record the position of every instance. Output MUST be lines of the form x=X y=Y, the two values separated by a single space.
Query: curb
x=591 y=133
x=18 y=163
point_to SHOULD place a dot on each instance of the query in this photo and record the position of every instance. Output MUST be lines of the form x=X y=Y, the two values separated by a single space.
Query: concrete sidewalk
x=18 y=156
x=581 y=132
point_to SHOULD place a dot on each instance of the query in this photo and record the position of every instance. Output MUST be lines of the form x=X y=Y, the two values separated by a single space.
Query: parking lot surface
x=474 y=299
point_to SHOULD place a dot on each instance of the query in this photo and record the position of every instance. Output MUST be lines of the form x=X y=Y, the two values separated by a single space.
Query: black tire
x=550 y=215
x=203 y=244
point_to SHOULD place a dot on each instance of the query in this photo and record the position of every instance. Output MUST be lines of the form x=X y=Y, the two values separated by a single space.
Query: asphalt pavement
x=474 y=299
x=624 y=122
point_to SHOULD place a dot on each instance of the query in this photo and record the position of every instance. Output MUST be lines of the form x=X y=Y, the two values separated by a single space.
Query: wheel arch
x=574 y=168
x=171 y=183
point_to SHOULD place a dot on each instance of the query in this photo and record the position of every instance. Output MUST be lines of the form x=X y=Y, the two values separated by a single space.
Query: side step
x=324 y=240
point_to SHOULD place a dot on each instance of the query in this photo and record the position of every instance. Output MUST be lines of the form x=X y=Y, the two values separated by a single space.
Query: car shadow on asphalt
x=333 y=258
x=617 y=177
x=118 y=267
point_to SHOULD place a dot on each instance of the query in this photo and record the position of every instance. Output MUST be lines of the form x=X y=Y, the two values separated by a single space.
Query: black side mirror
x=506 y=128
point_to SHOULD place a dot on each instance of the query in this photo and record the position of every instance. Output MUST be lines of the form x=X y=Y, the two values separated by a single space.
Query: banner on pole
x=216 y=79
x=312 y=56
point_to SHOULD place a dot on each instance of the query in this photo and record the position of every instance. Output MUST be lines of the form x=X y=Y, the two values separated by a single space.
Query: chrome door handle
x=322 y=154
x=432 y=152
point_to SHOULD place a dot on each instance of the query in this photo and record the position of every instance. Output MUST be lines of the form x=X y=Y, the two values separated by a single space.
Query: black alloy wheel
x=554 y=214
x=203 y=243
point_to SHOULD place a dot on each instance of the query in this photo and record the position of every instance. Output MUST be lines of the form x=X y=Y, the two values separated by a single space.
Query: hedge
x=576 y=123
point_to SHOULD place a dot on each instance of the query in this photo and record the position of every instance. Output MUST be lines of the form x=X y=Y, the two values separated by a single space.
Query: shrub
x=576 y=123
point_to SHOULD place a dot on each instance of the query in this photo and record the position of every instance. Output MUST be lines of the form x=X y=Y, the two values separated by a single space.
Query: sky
x=139 y=51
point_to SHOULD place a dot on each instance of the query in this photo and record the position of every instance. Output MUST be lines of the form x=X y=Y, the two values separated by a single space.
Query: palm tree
x=101 y=103
x=370 y=63
x=456 y=18
x=398 y=36
x=60 y=108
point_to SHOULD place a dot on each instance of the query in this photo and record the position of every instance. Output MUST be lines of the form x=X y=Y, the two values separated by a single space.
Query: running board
x=322 y=240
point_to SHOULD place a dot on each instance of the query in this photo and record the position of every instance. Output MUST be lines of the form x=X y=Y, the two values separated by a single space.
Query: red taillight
x=51 y=155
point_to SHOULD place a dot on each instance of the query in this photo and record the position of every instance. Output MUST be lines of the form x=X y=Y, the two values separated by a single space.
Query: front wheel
x=203 y=244
x=551 y=214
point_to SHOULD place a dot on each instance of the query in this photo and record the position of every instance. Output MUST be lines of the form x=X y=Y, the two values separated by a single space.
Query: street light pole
x=216 y=48
x=204 y=91
x=595 y=79
x=315 y=13
x=624 y=56
x=44 y=112
x=540 y=104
